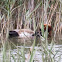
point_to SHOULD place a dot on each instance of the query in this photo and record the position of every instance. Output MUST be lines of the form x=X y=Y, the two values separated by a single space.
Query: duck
x=25 y=35
x=21 y=33
x=49 y=29
x=28 y=33
x=21 y=36
x=38 y=31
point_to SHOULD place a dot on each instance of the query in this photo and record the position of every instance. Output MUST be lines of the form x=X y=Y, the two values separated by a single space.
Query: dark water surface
x=28 y=45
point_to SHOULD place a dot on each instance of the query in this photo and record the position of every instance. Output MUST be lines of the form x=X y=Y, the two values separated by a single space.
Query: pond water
x=56 y=51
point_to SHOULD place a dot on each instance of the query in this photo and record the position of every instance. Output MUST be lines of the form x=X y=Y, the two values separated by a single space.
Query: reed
x=16 y=14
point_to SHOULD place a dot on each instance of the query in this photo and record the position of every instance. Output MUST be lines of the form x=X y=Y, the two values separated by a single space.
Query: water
x=38 y=53
x=56 y=51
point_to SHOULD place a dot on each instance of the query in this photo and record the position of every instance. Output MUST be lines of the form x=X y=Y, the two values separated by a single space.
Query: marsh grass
x=20 y=53
x=32 y=53
x=47 y=53
x=5 y=54
x=17 y=15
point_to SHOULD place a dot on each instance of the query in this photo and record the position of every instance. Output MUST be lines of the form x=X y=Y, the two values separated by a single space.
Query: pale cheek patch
x=25 y=34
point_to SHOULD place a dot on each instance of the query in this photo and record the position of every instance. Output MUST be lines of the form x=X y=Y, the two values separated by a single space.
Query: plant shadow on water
x=39 y=47
x=28 y=42
x=22 y=48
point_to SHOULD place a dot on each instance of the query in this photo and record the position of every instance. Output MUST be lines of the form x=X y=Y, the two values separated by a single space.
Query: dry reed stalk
x=55 y=7
x=18 y=18
x=50 y=14
x=56 y=25
x=60 y=28
x=11 y=24
x=13 y=4
x=2 y=30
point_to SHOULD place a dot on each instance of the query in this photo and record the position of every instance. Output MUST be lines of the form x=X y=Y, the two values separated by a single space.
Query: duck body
x=21 y=33
x=28 y=33
x=49 y=29
x=38 y=31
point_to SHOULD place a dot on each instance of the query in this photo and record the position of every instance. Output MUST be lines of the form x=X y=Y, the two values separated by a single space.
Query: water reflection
x=38 y=55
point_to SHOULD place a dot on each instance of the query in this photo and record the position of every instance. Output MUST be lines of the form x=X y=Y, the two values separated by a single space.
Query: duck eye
x=40 y=29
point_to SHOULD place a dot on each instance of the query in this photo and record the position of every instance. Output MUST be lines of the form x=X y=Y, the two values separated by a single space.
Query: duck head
x=13 y=34
x=37 y=33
